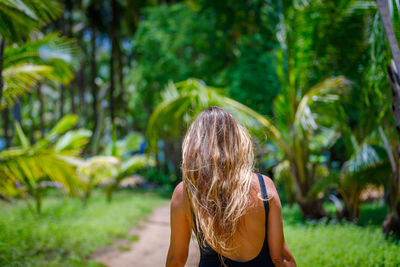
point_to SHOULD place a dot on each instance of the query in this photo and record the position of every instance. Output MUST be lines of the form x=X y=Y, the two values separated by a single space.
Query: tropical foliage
x=24 y=169
x=108 y=171
x=45 y=59
x=20 y=18
x=315 y=82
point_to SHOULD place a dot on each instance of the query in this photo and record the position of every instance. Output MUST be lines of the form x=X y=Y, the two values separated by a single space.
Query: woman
x=235 y=214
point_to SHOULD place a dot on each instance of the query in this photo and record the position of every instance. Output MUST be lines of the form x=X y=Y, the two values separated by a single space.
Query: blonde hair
x=217 y=172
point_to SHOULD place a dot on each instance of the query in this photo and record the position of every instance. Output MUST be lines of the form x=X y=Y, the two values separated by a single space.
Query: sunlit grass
x=335 y=243
x=66 y=232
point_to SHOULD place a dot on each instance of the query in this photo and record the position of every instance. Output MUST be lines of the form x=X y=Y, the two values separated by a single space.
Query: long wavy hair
x=217 y=172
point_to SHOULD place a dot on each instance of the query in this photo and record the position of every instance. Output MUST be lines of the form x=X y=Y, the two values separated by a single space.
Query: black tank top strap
x=264 y=194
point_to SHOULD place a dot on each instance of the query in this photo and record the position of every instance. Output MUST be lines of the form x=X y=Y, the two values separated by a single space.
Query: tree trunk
x=113 y=51
x=351 y=209
x=16 y=110
x=388 y=25
x=81 y=85
x=311 y=208
x=69 y=19
x=38 y=198
x=16 y=114
x=6 y=126
x=86 y=197
x=391 y=225
x=110 y=191
x=69 y=6
x=31 y=103
x=93 y=66
x=62 y=87
x=158 y=165
x=2 y=46
x=349 y=214
x=95 y=145
x=122 y=103
x=72 y=96
x=5 y=111
x=62 y=97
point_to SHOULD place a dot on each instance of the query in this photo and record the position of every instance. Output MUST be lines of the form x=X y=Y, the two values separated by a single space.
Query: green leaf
x=73 y=141
x=21 y=136
x=134 y=163
x=18 y=79
x=65 y=124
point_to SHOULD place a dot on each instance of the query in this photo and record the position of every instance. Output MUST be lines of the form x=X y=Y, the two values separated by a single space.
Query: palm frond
x=29 y=164
x=365 y=157
x=52 y=50
x=327 y=91
x=49 y=58
x=72 y=142
x=23 y=140
x=18 y=18
x=323 y=139
x=124 y=147
x=184 y=100
x=19 y=79
x=100 y=167
x=133 y=164
x=282 y=171
x=64 y=125
x=29 y=168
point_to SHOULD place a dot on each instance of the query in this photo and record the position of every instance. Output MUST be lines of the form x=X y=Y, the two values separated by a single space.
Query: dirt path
x=151 y=248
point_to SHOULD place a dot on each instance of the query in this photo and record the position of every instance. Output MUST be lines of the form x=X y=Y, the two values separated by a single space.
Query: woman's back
x=251 y=238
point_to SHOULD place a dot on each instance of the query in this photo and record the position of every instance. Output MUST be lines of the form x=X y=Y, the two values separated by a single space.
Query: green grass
x=66 y=233
x=134 y=238
x=123 y=248
x=340 y=243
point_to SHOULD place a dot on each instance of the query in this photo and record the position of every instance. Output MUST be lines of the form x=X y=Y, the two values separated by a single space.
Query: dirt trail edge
x=151 y=248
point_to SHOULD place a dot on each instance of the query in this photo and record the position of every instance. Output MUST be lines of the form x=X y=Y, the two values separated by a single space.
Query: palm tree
x=307 y=60
x=184 y=100
x=112 y=170
x=181 y=102
x=113 y=166
x=32 y=63
x=93 y=13
x=305 y=134
x=114 y=44
x=22 y=66
x=367 y=164
x=392 y=221
x=25 y=167
x=94 y=170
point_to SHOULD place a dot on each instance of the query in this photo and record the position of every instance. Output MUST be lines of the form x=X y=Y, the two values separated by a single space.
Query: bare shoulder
x=271 y=190
x=178 y=197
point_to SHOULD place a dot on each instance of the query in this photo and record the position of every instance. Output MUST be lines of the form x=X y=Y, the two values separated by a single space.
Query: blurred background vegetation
x=96 y=96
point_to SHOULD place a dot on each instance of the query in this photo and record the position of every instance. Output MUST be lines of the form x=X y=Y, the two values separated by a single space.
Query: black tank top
x=209 y=257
